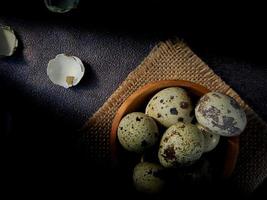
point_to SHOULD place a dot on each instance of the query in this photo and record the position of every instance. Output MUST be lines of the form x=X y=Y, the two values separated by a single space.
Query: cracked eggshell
x=8 y=41
x=147 y=178
x=220 y=114
x=137 y=132
x=66 y=71
x=211 y=140
x=181 y=144
x=169 y=106
x=61 y=6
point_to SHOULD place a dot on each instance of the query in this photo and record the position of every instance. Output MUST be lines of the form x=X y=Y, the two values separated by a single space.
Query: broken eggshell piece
x=61 y=6
x=8 y=41
x=65 y=70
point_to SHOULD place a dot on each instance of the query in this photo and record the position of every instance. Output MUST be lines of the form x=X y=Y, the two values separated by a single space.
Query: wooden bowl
x=140 y=98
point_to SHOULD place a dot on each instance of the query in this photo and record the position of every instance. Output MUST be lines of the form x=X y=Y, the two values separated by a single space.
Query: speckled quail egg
x=181 y=144
x=220 y=114
x=65 y=70
x=137 y=132
x=211 y=140
x=169 y=106
x=8 y=41
x=147 y=178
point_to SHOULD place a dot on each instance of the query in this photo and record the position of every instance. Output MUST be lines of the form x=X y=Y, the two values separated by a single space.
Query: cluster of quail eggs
x=182 y=142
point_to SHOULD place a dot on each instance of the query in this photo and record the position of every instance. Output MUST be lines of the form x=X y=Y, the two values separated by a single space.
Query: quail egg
x=220 y=114
x=147 y=178
x=169 y=106
x=211 y=140
x=137 y=132
x=9 y=42
x=181 y=144
x=66 y=71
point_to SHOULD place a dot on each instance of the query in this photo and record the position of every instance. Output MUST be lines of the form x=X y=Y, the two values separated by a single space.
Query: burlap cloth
x=174 y=60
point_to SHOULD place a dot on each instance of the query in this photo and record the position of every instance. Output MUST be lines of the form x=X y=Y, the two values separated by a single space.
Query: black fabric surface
x=40 y=119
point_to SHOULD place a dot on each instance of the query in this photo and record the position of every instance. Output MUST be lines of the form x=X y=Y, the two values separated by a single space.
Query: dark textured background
x=40 y=118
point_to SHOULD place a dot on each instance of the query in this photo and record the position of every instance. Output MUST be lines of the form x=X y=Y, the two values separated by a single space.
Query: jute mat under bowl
x=174 y=60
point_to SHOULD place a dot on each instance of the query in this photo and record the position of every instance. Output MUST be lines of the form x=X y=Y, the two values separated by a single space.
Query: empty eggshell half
x=61 y=6
x=66 y=71
x=8 y=41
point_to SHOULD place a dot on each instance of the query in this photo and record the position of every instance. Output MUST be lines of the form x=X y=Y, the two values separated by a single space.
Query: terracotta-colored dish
x=137 y=101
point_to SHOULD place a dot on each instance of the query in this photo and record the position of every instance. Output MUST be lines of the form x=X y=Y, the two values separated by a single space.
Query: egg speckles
x=137 y=132
x=181 y=144
x=220 y=114
x=171 y=154
x=147 y=178
x=169 y=106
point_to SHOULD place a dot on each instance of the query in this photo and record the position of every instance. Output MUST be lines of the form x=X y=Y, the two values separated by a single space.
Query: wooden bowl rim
x=232 y=142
